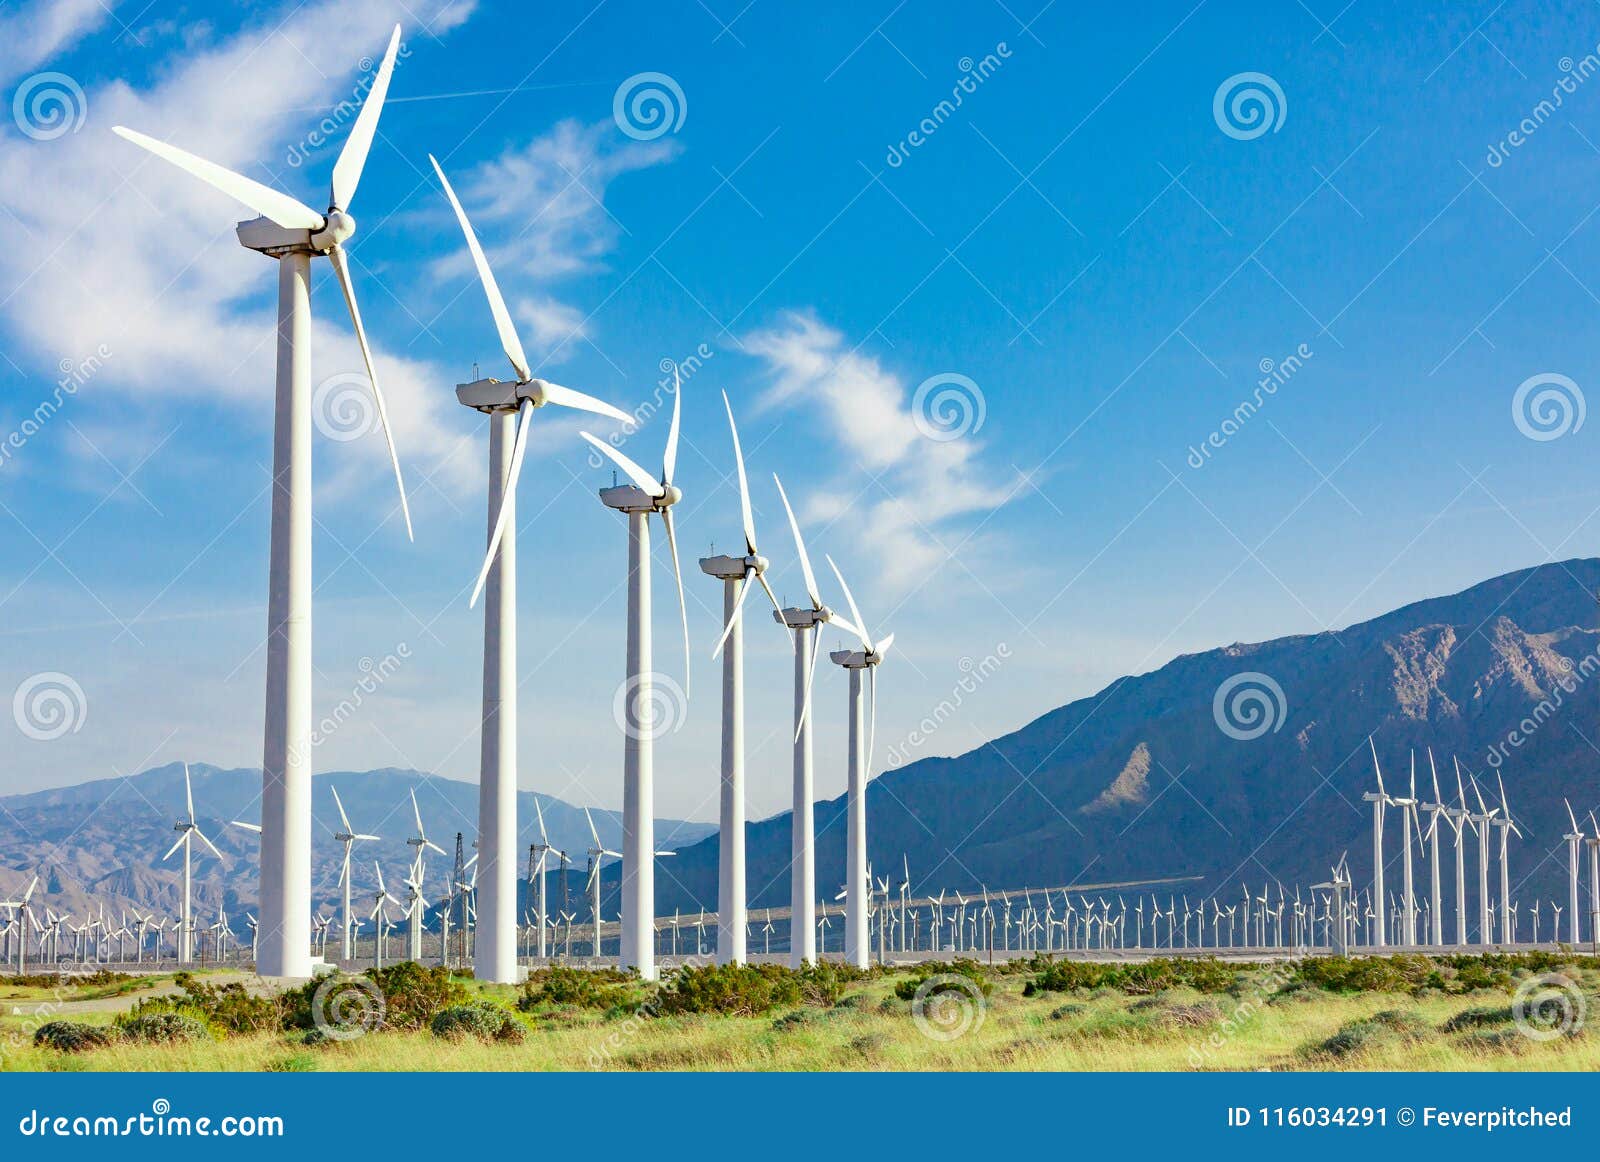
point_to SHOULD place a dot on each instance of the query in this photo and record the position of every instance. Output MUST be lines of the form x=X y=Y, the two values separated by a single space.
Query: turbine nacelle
x=338 y=228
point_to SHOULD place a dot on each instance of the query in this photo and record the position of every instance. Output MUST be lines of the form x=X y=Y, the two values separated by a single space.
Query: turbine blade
x=416 y=813
x=353 y=157
x=771 y=596
x=342 y=270
x=343 y=818
x=683 y=603
x=593 y=834
x=290 y=213
x=256 y=827
x=633 y=472
x=872 y=721
x=539 y=811
x=882 y=648
x=508 y=490
x=805 y=703
x=744 y=483
x=567 y=398
x=800 y=547
x=208 y=842
x=855 y=613
x=170 y=850
x=738 y=605
x=509 y=342
x=669 y=457
x=188 y=792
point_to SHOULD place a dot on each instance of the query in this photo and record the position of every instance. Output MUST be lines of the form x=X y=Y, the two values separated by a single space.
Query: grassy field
x=1256 y=1023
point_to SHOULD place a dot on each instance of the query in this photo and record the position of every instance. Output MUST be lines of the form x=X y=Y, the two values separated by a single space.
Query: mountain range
x=1239 y=765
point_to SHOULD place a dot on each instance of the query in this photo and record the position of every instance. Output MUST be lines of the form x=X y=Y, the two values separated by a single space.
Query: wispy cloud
x=903 y=492
x=32 y=34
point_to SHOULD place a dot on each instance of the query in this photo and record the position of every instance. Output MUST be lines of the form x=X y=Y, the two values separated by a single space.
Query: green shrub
x=1203 y=974
x=1407 y=1025
x=734 y=990
x=224 y=1009
x=165 y=1028
x=482 y=1019
x=971 y=969
x=603 y=989
x=72 y=1036
x=1480 y=1017
x=412 y=996
x=1356 y=1037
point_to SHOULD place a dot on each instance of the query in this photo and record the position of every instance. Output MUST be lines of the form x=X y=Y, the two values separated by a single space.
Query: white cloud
x=104 y=246
x=551 y=325
x=30 y=36
x=908 y=488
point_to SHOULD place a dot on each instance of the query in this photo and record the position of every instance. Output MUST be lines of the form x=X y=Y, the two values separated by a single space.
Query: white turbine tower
x=1436 y=900
x=1507 y=826
x=1594 y=883
x=862 y=736
x=349 y=837
x=803 y=621
x=735 y=573
x=1574 y=840
x=1480 y=824
x=1379 y=801
x=543 y=848
x=187 y=830
x=510 y=408
x=596 y=853
x=643 y=719
x=293 y=233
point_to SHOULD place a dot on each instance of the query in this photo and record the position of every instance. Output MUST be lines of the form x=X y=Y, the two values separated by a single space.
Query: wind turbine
x=1434 y=809
x=596 y=853
x=1594 y=883
x=542 y=848
x=349 y=838
x=294 y=233
x=861 y=740
x=510 y=408
x=803 y=621
x=23 y=913
x=1480 y=823
x=1506 y=826
x=639 y=500
x=735 y=573
x=1574 y=840
x=187 y=830
x=1408 y=817
x=380 y=916
x=1379 y=801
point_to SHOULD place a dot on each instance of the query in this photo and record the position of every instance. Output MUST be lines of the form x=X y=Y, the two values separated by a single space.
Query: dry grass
x=871 y=1030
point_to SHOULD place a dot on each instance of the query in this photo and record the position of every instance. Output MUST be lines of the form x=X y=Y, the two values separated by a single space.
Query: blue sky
x=1106 y=263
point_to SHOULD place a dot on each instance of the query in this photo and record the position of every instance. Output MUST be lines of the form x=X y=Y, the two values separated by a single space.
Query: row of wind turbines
x=293 y=233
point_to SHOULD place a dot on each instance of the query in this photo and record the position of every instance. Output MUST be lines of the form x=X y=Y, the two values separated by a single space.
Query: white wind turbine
x=294 y=233
x=349 y=837
x=22 y=910
x=596 y=853
x=543 y=848
x=639 y=500
x=1507 y=826
x=510 y=408
x=803 y=621
x=862 y=737
x=1594 y=883
x=735 y=573
x=1436 y=905
x=1574 y=840
x=381 y=899
x=1480 y=823
x=187 y=830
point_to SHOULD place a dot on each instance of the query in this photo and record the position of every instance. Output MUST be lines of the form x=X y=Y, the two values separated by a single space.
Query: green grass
x=1260 y=1022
